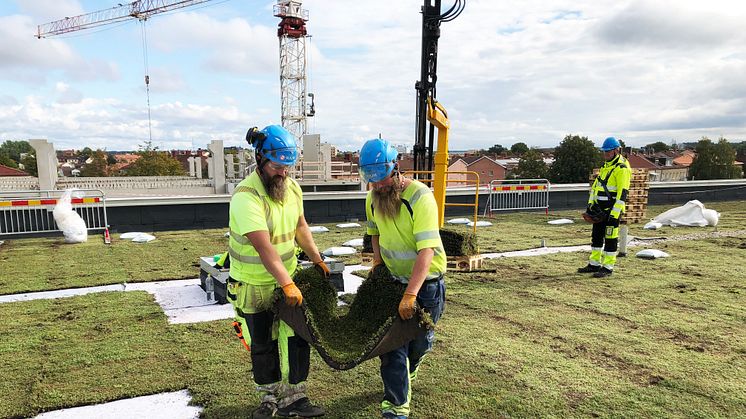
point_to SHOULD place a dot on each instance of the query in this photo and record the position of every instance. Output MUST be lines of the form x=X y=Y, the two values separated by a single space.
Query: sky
x=531 y=70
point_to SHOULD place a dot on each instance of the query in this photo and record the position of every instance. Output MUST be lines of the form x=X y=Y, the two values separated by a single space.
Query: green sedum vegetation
x=522 y=337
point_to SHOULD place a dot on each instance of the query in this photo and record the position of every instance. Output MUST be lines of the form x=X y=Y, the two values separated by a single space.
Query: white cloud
x=44 y=11
x=531 y=71
x=26 y=59
x=166 y=80
x=114 y=125
x=233 y=46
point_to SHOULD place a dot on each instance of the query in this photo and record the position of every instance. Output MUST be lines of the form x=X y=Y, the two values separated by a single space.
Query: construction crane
x=292 y=34
x=140 y=10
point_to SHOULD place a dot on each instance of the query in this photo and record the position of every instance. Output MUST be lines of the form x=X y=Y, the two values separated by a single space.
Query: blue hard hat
x=377 y=160
x=610 y=143
x=277 y=144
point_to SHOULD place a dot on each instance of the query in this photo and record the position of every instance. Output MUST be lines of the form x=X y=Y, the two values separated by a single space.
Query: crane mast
x=292 y=34
x=140 y=9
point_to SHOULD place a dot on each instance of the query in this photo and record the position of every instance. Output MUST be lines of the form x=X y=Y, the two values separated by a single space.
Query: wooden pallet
x=637 y=194
x=632 y=217
x=465 y=263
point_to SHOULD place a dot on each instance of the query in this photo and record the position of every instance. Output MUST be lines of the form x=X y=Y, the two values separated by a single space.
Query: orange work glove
x=406 y=306
x=293 y=297
x=323 y=269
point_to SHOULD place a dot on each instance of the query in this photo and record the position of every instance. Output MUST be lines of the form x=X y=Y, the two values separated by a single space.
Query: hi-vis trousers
x=280 y=360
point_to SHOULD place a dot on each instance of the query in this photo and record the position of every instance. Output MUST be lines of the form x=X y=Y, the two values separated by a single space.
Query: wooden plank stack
x=637 y=200
x=465 y=263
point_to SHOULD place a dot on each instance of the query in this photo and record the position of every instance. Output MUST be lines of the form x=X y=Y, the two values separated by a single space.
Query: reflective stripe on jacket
x=619 y=175
x=251 y=209
x=414 y=228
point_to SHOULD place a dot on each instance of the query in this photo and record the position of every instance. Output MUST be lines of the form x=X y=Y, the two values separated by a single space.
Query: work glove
x=594 y=214
x=293 y=297
x=323 y=269
x=407 y=305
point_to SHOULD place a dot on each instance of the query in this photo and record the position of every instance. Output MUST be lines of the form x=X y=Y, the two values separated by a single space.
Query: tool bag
x=594 y=213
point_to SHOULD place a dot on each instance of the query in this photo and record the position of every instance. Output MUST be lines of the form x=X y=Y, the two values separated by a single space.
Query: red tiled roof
x=9 y=171
x=471 y=159
x=685 y=159
x=640 y=162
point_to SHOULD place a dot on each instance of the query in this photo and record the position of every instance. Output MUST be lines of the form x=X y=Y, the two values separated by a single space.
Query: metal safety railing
x=518 y=194
x=25 y=212
x=428 y=178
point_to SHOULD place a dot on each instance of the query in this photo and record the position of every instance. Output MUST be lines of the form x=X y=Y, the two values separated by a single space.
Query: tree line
x=576 y=157
x=152 y=162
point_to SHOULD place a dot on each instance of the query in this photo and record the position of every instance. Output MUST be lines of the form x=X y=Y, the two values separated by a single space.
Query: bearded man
x=403 y=225
x=266 y=220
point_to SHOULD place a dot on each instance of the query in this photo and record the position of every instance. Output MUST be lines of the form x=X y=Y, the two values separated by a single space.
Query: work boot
x=589 y=269
x=265 y=410
x=301 y=407
x=602 y=273
x=391 y=415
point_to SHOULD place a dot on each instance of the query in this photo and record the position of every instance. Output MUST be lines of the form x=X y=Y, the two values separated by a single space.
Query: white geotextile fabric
x=339 y=251
x=560 y=221
x=318 y=229
x=143 y=238
x=692 y=214
x=651 y=254
x=348 y=225
x=137 y=237
x=130 y=235
x=353 y=243
x=458 y=221
x=479 y=223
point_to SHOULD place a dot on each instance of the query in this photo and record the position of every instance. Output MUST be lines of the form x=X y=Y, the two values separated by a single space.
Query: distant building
x=123 y=161
x=183 y=157
x=10 y=171
x=661 y=166
x=457 y=164
x=685 y=158
x=488 y=169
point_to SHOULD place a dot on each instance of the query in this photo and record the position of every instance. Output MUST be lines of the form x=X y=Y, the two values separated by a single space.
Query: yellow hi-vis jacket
x=414 y=228
x=251 y=209
x=617 y=175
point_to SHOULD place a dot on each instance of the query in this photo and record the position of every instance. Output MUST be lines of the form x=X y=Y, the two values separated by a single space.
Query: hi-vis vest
x=251 y=209
x=414 y=228
x=616 y=173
